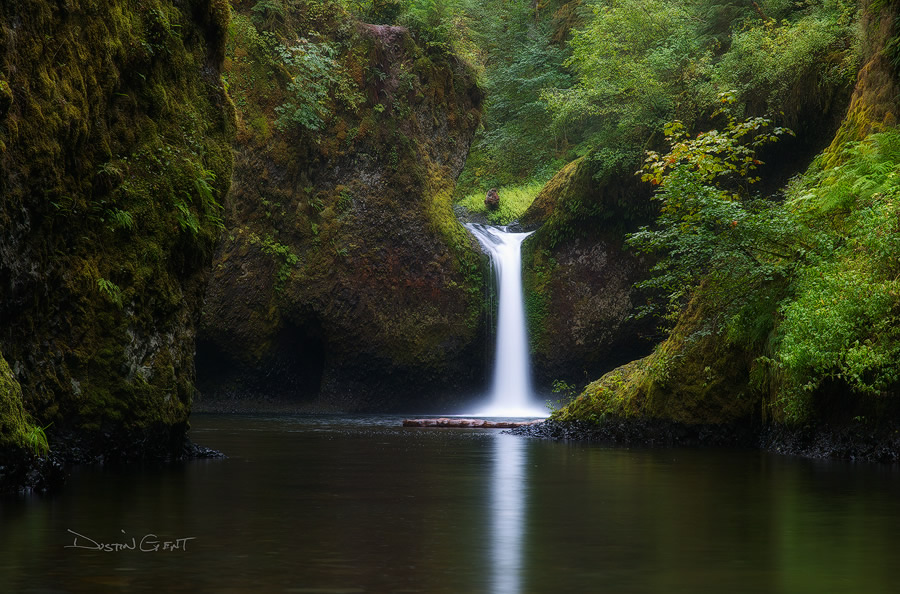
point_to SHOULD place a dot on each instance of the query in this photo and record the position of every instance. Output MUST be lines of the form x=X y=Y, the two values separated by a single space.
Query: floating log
x=476 y=423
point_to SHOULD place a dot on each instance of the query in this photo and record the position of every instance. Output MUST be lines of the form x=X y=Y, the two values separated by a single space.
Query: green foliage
x=641 y=64
x=379 y=12
x=518 y=59
x=722 y=158
x=811 y=280
x=565 y=393
x=211 y=208
x=436 y=24
x=766 y=63
x=510 y=45
x=514 y=200
x=187 y=220
x=36 y=439
x=120 y=219
x=710 y=227
x=638 y=64
x=110 y=290
x=843 y=323
x=317 y=77
x=283 y=253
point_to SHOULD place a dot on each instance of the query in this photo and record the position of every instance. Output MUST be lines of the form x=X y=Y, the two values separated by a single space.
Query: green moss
x=13 y=426
x=694 y=377
x=873 y=106
x=537 y=277
x=514 y=201
x=117 y=163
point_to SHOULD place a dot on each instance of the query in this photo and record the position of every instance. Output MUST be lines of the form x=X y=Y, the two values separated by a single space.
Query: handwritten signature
x=149 y=543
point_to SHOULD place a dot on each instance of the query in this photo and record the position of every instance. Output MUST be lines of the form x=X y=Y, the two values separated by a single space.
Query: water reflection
x=313 y=505
x=508 y=505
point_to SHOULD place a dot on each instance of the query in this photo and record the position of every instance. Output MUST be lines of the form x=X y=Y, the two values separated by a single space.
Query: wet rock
x=579 y=278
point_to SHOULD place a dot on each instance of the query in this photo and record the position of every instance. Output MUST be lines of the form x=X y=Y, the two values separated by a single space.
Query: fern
x=111 y=290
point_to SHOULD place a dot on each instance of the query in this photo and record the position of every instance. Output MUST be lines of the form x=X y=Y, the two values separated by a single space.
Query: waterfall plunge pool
x=360 y=504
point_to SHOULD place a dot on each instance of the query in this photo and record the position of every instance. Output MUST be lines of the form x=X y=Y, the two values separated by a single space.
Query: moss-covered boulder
x=343 y=281
x=695 y=377
x=579 y=279
x=115 y=135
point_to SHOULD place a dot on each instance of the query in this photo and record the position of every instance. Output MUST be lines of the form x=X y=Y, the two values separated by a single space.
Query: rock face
x=115 y=136
x=874 y=104
x=579 y=278
x=343 y=280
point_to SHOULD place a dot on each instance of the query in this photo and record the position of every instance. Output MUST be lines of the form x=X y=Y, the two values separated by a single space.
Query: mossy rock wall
x=579 y=278
x=115 y=135
x=343 y=281
x=876 y=96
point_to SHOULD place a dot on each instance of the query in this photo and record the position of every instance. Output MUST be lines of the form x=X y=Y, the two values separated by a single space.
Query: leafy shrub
x=844 y=322
x=710 y=228
x=36 y=440
x=770 y=64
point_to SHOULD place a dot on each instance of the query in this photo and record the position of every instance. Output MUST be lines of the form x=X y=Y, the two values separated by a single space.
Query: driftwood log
x=455 y=422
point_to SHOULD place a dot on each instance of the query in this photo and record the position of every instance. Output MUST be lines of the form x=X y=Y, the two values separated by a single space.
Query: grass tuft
x=514 y=201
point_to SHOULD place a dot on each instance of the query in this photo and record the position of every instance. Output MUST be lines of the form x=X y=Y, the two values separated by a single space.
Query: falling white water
x=511 y=393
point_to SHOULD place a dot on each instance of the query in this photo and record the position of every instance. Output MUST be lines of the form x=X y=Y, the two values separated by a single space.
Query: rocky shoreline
x=854 y=442
x=27 y=474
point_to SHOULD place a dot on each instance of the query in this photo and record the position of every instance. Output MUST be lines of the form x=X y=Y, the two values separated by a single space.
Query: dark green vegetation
x=115 y=159
x=343 y=280
x=637 y=67
x=793 y=296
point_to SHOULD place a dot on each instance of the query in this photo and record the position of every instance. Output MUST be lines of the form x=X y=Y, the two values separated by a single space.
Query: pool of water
x=360 y=504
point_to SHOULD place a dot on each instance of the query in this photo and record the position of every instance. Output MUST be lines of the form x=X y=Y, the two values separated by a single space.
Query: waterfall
x=511 y=392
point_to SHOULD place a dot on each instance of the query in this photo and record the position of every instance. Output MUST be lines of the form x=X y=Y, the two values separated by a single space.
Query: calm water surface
x=343 y=505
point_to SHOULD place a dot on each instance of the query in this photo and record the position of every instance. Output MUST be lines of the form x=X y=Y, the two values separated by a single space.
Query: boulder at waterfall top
x=343 y=280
